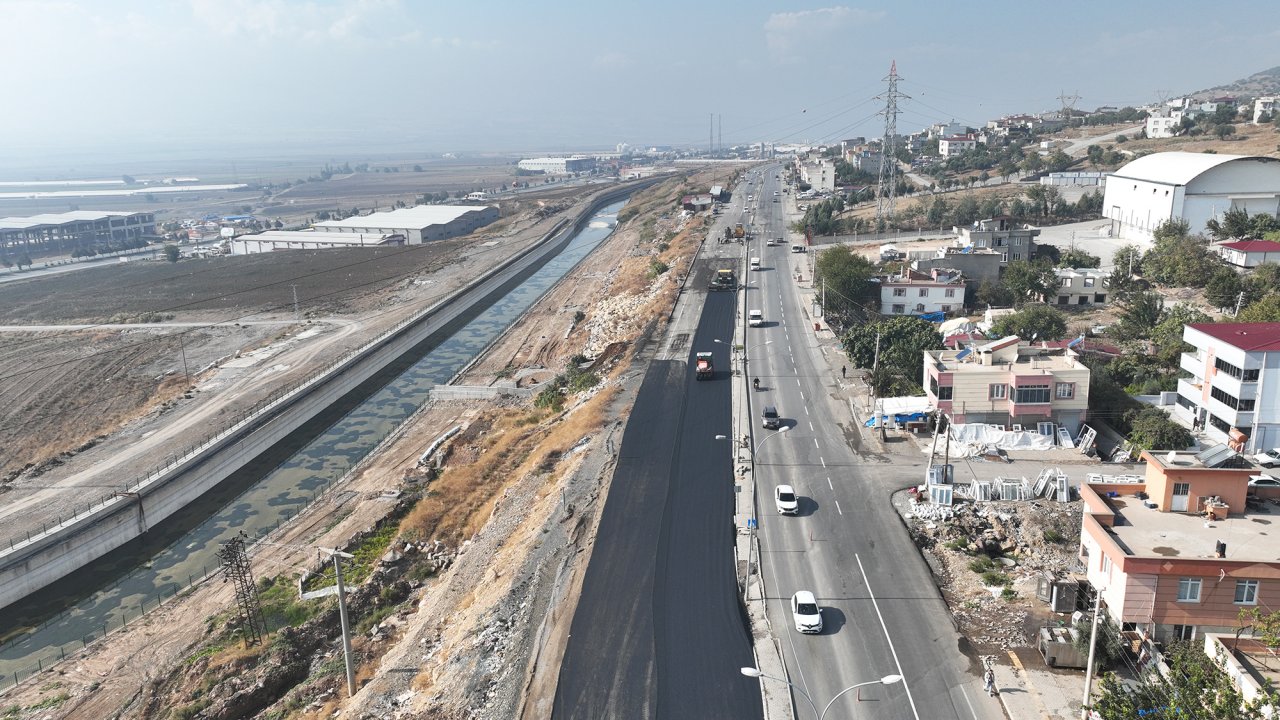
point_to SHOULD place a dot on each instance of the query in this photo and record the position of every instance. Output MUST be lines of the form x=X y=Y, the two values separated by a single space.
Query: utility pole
x=295 y=302
x=1239 y=302
x=342 y=617
x=888 y=181
x=711 y=133
x=1093 y=646
x=875 y=393
x=182 y=348
x=946 y=451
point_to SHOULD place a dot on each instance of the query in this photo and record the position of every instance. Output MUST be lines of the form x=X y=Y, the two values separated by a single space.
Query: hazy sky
x=564 y=74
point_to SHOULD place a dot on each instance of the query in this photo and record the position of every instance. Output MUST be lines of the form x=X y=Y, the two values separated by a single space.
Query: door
x=1181 y=492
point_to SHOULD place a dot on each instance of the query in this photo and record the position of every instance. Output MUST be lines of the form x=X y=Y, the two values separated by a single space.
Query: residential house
x=1179 y=553
x=1164 y=122
x=917 y=293
x=1004 y=234
x=1249 y=253
x=1082 y=286
x=953 y=145
x=946 y=129
x=975 y=265
x=820 y=175
x=1263 y=107
x=1008 y=382
x=1234 y=382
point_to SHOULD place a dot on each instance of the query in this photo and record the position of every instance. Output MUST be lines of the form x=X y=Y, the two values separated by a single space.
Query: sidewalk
x=1030 y=691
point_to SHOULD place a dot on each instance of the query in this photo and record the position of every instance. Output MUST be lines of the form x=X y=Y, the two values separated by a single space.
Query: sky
x=227 y=76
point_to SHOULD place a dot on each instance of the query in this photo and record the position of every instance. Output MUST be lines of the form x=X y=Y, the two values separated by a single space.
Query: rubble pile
x=971 y=544
x=618 y=318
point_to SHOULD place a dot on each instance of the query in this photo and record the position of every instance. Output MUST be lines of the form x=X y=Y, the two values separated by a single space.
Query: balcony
x=1192 y=363
x=1191 y=389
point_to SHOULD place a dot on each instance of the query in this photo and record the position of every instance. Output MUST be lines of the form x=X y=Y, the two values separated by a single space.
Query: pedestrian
x=842 y=371
x=989 y=682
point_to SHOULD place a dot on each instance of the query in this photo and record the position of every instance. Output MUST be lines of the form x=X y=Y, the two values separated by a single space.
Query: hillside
x=1266 y=82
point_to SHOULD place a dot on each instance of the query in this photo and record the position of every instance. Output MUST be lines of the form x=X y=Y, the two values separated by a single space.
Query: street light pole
x=886 y=680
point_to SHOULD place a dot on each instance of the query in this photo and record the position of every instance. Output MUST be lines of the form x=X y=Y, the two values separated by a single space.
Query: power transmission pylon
x=235 y=567
x=888 y=181
x=1068 y=105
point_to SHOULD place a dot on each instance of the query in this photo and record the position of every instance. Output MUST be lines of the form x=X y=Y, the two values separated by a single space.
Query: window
x=1004 y=257
x=1219 y=423
x=1065 y=391
x=1246 y=592
x=1016 y=241
x=1228 y=368
x=998 y=391
x=899 y=309
x=899 y=292
x=1225 y=398
x=1185 y=633
x=951 y=292
x=1088 y=282
x=1065 y=282
x=1245 y=406
x=1250 y=376
x=944 y=392
x=1106 y=565
x=1017 y=256
x=924 y=292
x=1189 y=590
x=1031 y=394
x=946 y=308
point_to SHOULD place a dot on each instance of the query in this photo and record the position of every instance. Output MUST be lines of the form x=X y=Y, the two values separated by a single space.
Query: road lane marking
x=972 y=712
x=876 y=604
x=815 y=444
x=824 y=464
x=838 y=508
x=833 y=487
x=806 y=411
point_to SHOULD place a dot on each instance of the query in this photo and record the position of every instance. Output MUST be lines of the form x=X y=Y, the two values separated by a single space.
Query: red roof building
x=1249 y=253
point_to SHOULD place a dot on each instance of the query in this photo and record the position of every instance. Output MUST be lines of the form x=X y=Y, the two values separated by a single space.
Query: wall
x=1229 y=484
x=1142 y=205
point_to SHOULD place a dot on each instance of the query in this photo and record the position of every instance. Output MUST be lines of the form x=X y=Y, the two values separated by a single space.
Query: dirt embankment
x=465 y=606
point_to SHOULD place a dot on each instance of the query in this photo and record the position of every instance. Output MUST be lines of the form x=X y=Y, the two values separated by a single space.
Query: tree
x=171 y=253
x=1195 y=687
x=966 y=211
x=1058 y=161
x=1033 y=322
x=1007 y=168
x=1142 y=312
x=128 y=180
x=1076 y=258
x=1224 y=131
x=993 y=294
x=24 y=259
x=1028 y=281
x=1152 y=429
x=1223 y=288
x=847 y=279
x=1110 y=645
x=1177 y=259
x=1094 y=153
x=1234 y=224
x=1032 y=163
x=903 y=340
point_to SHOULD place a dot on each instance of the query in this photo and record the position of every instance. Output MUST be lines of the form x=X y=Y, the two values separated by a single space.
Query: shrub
x=995 y=578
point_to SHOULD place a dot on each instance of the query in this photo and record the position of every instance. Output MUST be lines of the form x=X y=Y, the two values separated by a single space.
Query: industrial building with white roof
x=64 y=232
x=1194 y=187
x=407 y=226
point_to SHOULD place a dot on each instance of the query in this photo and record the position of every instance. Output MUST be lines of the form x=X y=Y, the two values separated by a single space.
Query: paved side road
x=659 y=631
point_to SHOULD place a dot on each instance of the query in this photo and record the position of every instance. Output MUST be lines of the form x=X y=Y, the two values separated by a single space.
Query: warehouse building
x=273 y=240
x=1194 y=187
x=64 y=233
x=558 y=166
x=417 y=224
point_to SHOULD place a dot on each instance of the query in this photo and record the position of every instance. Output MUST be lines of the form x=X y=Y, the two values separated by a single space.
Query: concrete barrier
x=30 y=563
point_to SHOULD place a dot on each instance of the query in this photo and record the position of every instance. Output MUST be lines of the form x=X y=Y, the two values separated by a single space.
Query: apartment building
x=1004 y=234
x=953 y=145
x=917 y=293
x=1009 y=382
x=1234 y=388
x=1082 y=286
x=1180 y=553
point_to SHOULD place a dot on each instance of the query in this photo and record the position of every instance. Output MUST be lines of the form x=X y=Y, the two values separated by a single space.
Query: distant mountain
x=1266 y=82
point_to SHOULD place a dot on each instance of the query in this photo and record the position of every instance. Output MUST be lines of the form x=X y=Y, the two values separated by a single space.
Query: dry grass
x=1248 y=140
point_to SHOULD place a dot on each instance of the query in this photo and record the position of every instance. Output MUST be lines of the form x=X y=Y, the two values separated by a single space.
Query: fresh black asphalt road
x=659 y=631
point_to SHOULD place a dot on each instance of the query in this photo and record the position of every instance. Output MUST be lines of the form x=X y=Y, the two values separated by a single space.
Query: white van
x=755 y=263
x=755 y=318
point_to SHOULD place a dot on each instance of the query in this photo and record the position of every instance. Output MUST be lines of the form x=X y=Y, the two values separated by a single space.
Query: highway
x=882 y=612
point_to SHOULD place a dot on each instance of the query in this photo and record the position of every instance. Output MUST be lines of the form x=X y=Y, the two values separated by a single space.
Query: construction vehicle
x=724 y=279
x=703 y=369
x=739 y=231
x=728 y=234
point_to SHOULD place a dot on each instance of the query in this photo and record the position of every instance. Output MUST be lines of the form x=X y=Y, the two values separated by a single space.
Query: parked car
x=1266 y=481
x=806 y=613
x=784 y=497
x=1268 y=458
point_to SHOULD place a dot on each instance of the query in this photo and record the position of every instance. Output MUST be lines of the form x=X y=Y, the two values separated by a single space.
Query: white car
x=784 y=496
x=755 y=318
x=806 y=613
x=1257 y=481
x=1268 y=458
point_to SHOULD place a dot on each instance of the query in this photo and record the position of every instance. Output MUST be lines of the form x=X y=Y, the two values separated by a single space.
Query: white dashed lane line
x=833 y=487
x=824 y=463
x=815 y=444
x=838 y=508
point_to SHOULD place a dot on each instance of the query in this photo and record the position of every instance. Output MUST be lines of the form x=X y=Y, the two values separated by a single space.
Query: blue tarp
x=933 y=316
x=899 y=418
